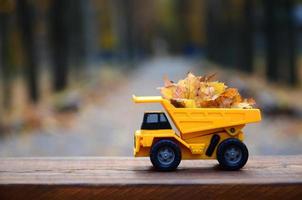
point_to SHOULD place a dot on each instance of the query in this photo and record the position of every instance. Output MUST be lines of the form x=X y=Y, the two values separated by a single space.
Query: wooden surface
x=122 y=178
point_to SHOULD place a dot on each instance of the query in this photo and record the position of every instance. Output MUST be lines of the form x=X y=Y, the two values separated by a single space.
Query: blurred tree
x=180 y=32
x=281 y=41
x=171 y=23
x=127 y=10
x=144 y=27
x=59 y=39
x=220 y=32
x=271 y=39
x=195 y=14
x=210 y=31
x=7 y=8
x=292 y=42
x=110 y=28
x=230 y=33
x=117 y=28
x=26 y=17
x=246 y=57
x=77 y=14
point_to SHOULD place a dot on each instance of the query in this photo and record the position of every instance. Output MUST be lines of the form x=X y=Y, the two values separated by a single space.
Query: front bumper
x=137 y=145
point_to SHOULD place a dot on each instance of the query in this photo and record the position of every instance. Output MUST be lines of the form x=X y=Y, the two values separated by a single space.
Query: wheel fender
x=147 y=141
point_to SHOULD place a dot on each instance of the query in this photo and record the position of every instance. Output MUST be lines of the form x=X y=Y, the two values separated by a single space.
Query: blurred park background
x=68 y=68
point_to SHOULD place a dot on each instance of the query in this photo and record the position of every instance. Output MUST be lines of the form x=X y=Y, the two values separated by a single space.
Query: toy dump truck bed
x=190 y=120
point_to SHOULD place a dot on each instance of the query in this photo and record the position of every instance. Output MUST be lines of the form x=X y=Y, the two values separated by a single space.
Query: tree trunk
x=4 y=59
x=59 y=42
x=292 y=48
x=271 y=38
x=247 y=37
x=25 y=11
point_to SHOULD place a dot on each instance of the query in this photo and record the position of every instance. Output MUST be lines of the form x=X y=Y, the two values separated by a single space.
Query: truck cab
x=155 y=120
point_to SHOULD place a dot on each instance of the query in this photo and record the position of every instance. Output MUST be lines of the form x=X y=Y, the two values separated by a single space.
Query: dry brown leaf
x=167 y=82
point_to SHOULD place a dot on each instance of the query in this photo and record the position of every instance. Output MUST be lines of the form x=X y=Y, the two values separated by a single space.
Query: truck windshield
x=152 y=118
x=162 y=118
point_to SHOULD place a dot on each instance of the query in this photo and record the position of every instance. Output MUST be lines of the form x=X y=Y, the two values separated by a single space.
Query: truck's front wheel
x=165 y=155
x=232 y=154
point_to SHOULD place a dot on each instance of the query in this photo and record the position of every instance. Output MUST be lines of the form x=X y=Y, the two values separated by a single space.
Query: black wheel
x=165 y=155
x=232 y=154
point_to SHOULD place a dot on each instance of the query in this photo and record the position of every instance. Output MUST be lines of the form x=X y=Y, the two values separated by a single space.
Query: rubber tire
x=154 y=151
x=221 y=150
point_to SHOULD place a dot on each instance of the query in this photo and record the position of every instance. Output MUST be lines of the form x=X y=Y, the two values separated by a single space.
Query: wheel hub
x=233 y=154
x=166 y=155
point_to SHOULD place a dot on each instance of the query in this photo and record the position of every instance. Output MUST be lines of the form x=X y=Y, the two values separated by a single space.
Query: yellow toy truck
x=203 y=133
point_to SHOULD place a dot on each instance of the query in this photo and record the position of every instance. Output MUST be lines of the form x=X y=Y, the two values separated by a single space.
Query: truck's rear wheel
x=232 y=154
x=165 y=155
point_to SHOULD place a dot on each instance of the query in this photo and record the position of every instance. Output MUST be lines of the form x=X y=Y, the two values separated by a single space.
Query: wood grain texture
x=129 y=178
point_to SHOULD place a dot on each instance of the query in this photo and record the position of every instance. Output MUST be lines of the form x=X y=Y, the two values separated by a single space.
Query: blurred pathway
x=106 y=129
x=102 y=129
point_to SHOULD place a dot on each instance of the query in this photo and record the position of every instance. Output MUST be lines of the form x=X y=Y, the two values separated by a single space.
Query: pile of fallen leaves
x=203 y=92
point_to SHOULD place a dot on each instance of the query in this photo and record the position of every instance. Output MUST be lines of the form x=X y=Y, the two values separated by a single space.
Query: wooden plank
x=118 y=178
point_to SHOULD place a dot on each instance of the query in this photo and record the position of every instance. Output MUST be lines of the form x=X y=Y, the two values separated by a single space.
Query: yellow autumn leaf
x=219 y=87
x=244 y=105
x=189 y=103
x=167 y=92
